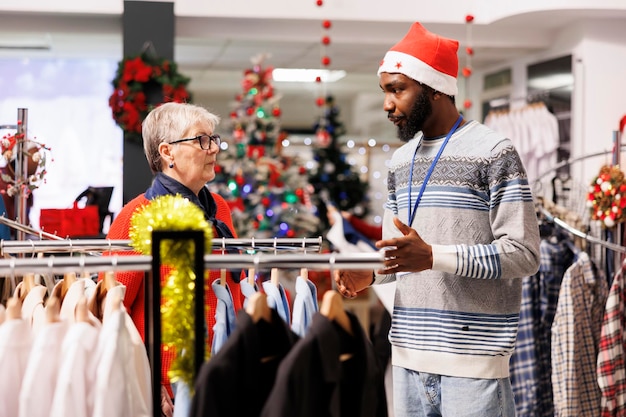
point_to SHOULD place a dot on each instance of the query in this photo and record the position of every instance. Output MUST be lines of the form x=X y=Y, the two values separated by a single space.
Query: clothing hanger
x=14 y=308
x=96 y=302
x=304 y=273
x=28 y=283
x=68 y=279
x=332 y=309
x=53 y=310
x=258 y=308
x=82 y=315
x=251 y=277
x=275 y=276
x=223 y=270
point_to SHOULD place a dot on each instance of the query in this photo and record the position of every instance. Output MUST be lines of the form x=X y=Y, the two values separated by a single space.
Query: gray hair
x=168 y=122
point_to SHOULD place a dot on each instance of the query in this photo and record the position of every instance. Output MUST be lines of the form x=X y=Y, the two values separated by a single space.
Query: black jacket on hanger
x=238 y=379
x=313 y=380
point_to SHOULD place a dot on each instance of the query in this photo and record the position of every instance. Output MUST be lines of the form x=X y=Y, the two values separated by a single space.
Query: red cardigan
x=133 y=280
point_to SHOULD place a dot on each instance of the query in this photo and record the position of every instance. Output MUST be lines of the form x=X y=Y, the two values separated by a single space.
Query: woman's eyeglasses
x=203 y=140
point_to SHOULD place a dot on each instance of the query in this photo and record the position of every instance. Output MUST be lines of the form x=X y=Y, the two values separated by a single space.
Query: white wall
x=600 y=92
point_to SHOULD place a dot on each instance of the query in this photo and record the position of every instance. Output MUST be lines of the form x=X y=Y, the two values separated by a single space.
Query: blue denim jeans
x=419 y=394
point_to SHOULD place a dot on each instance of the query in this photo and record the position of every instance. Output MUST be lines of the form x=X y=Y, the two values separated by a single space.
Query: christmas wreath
x=607 y=196
x=35 y=159
x=141 y=83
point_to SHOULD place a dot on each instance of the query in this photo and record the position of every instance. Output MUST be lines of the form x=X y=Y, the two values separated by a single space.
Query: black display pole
x=146 y=24
x=152 y=307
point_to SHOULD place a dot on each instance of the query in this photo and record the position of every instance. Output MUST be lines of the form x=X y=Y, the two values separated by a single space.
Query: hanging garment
x=42 y=370
x=531 y=364
x=122 y=387
x=314 y=381
x=73 y=395
x=277 y=299
x=612 y=352
x=225 y=317
x=247 y=289
x=33 y=307
x=304 y=306
x=575 y=341
x=238 y=379
x=15 y=344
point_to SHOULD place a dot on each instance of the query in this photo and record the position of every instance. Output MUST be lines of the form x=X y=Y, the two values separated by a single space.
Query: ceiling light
x=299 y=75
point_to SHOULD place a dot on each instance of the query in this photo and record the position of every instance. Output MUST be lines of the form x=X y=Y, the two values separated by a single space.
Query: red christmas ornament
x=250 y=111
x=290 y=233
x=233 y=114
x=319 y=3
x=469 y=50
x=320 y=101
x=326 y=24
x=276 y=111
x=265 y=201
x=467 y=103
x=239 y=133
x=469 y=18
x=326 y=40
x=323 y=137
x=318 y=79
x=467 y=71
x=326 y=60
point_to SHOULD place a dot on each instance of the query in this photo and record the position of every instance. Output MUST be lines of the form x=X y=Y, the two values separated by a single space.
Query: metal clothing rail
x=259 y=261
x=578 y=233
x=27 y=229
x=101 y=245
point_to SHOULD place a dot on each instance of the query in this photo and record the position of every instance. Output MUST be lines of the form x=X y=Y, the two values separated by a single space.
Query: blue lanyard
x=430 y=171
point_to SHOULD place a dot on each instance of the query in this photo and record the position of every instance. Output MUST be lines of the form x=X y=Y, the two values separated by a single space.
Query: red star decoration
x=398 y=65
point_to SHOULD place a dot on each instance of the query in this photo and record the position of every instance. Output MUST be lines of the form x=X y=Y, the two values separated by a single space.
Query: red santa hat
x=425 y=57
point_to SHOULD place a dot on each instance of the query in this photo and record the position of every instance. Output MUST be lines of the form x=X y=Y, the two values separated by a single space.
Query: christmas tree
x=335 y=181
x=267 y=192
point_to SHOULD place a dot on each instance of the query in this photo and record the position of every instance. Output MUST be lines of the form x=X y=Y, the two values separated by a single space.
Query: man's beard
x=420 y=111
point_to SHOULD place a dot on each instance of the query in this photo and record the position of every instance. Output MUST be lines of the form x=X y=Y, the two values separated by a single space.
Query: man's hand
x=408 y=253
x=350 y=282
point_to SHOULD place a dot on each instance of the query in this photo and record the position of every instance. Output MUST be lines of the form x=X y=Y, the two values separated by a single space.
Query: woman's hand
x=167 y=406
x=350 y=282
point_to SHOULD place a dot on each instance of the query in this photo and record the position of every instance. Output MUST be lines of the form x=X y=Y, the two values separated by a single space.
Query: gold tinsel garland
x=174 y=213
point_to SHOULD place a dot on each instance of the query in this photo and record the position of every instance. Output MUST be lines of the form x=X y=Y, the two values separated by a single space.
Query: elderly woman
x=181 y=148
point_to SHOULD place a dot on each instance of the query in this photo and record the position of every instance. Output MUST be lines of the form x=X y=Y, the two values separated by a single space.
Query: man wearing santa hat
x=459 y=233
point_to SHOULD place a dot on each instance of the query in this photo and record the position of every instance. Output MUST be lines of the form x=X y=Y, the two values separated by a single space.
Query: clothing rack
x=259 y=261
x=532 y=97
x=101 y=245
x=581 y=234
x=21 y=166
x=610 y=248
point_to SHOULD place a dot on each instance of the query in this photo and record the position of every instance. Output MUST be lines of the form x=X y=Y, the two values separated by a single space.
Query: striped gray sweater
x=460 y=318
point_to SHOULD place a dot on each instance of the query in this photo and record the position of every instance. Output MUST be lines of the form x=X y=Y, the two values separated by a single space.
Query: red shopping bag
x=71 y=222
